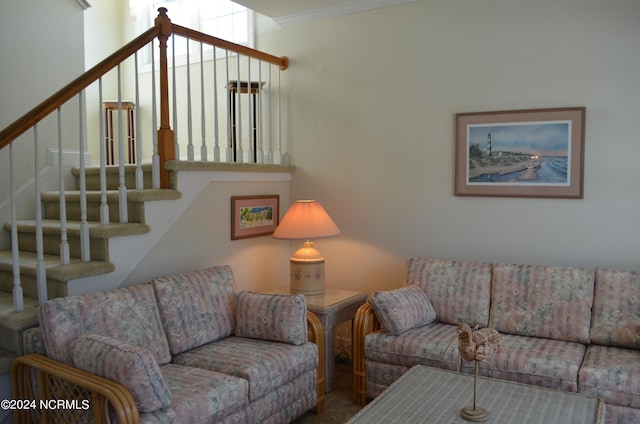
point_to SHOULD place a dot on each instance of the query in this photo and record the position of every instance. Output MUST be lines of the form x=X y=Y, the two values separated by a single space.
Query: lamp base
x=470 y=413
x=307 y=271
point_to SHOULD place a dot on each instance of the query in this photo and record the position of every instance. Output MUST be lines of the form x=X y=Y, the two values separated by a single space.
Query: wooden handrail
x=39 y=112
x=282 y=62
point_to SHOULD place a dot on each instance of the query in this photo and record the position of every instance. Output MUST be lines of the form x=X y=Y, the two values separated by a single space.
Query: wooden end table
x=333 y=307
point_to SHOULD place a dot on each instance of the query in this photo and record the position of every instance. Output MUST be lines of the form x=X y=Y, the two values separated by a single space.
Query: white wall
x=372 y=103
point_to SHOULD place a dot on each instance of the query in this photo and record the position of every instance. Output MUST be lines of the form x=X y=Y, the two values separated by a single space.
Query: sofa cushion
x=128 y=314
x=432 y=345
x=277 y=317
x=535 y=361
x=196 y=307
x=131 y=366
x=459 y=291
x=402 y=309
x=266 y=365
x=199 y=396
x=616 y=302
x=542 y=301
x=612 y=374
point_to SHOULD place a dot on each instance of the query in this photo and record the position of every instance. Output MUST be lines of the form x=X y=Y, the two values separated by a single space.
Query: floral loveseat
x=563 y=328
x=185 y=348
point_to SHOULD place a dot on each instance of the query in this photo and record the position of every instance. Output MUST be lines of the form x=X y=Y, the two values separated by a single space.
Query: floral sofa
x=185 y=348
x=563 y=328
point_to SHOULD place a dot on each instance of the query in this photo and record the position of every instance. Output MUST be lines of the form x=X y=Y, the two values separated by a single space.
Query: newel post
x=166 y=144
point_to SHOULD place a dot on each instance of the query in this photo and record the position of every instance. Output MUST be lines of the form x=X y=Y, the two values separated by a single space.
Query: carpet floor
x=338 y=404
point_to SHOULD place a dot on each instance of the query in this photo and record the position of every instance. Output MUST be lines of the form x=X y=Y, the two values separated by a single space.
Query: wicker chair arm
x=365 y=322
x=315 y=334
x=36 y=378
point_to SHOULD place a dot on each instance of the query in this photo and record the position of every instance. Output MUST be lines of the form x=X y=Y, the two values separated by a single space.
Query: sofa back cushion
x=196 y=307
x=616 y=309
x=276 y=317
x=128 y=314
x=542 y=301
x=459 y=291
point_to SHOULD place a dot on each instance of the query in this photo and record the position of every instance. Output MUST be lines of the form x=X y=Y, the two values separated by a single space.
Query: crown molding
x=340 y=9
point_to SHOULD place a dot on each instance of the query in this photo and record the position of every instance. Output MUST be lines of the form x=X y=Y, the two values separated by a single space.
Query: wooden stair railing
x=165 y=143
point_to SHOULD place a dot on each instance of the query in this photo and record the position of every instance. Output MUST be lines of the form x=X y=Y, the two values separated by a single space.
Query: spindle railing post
x=166 y=148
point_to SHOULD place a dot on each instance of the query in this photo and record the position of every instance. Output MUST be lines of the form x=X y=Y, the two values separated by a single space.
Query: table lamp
x=306 y=220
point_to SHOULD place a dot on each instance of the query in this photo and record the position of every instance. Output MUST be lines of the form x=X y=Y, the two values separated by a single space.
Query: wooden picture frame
x=254 y=216
x=520 y=153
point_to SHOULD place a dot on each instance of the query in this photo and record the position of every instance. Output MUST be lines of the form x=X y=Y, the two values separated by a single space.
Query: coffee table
x=433 y=396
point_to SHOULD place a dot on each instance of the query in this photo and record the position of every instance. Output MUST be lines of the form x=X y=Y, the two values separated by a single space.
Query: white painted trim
x=340 y=9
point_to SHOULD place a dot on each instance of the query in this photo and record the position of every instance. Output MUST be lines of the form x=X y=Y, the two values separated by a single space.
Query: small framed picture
x=520 y=153
x=254 y=216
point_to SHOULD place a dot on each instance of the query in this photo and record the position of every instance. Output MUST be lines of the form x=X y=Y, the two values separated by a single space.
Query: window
x=220 y=18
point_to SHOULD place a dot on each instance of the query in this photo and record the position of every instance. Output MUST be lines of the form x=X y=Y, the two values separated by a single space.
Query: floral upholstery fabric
x=281 y=318
x=433 y=345
x=196 y=307
x=380 y=376
x=402 y=309
x=129 y=315
x=33 y=342
x=266 y=365
x=131 y=366
x=612 y=374
x=541 y=301
x=616 y=309
x=459 y=291
x=199 y=396
x=276 y=406
x=539 y=362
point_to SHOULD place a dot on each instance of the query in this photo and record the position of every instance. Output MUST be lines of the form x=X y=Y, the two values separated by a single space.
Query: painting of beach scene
x=254 y=216
x=519 y=153
x=528 y=153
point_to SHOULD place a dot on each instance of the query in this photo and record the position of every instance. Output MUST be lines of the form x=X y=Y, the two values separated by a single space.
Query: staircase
x=12 y=324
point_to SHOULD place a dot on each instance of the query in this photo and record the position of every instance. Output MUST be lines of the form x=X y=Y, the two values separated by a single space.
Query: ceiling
x=293 y=12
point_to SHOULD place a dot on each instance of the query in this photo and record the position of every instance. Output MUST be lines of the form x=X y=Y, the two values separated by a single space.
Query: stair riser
x=92 y=181
x=29 y=286
x=51 y=210
x=99 y=248
x=11 y=340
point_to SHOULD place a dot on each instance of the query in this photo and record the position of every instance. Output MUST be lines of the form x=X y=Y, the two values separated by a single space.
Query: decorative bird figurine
x=477 y=344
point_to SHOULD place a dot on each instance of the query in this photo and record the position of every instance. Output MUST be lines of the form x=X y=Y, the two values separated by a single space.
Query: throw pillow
x=402 y=309
x=277 y=317
x=133 y=367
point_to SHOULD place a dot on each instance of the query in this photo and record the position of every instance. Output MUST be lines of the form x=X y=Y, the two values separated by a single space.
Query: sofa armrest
x=87 y=397
x=364 y=322
x=315 y=334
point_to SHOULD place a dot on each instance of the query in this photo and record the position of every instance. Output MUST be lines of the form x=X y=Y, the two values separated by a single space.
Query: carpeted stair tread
x=76 y=269
x=97 y=230
x=145 y=195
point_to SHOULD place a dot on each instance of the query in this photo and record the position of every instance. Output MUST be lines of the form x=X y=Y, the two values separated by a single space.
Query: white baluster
x=18 y=300
x=41 y=273
x=138 y=141
x=260 y=154
x=175 y=98
x=216 y=148
x=250 y=109
x=189 y=119
x=104 y=206
x=65 y=257
x=155 y=158
x=85 y=252
x=122 y=186
x=270 y=119
x=239 y=151
x=203 y=115
x=229 y=111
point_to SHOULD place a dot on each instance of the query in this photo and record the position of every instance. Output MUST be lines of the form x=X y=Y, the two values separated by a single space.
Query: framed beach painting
x=254 y=216
x=520 y=153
